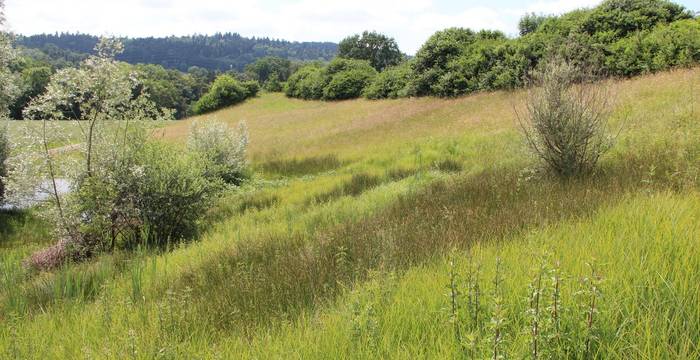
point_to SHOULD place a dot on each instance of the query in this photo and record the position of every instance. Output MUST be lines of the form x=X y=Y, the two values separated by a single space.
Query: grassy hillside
x=340 y=247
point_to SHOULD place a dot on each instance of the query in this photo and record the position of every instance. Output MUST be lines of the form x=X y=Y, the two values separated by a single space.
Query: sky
x=410 y=22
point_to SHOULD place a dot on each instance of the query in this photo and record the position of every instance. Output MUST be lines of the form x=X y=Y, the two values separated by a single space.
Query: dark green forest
x=218 y=52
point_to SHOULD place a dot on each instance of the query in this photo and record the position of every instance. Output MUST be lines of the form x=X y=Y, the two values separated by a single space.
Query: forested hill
x=214 y=52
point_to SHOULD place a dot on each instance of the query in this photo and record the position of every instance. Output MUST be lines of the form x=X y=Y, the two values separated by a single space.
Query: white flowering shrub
x=147 y=193
x=126 y=189
x=225 y=149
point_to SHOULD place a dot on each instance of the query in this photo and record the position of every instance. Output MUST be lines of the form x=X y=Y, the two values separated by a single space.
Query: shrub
x=666 y=46
x=306 y=83
x=340 y=79
x=391 y=83
x=173 y=193
x=565 y=123
x=225 y=91
x=139 y=193
x=251 y=88
x=486 y=64
x=273 y=84
x=433 y=57
x=615 y=19
x=347 y=84
x=50 y=257
x=346 y=79
x=225 y=149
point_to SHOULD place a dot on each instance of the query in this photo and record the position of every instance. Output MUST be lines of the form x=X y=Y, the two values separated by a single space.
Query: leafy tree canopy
x=380 y=50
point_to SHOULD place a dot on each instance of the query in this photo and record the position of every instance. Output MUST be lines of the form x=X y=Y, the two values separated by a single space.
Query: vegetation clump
x=565 y=124
x=391 y=83
x=127 y=189
x=270 y=72
x=616 y=38
x=225 y=149
x=341 y=79
x=224 y=92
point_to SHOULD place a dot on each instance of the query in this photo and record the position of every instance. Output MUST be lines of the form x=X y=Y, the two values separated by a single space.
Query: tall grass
x=364 y=274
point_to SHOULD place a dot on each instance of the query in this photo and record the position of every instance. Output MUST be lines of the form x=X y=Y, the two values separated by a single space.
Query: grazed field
x=340 y=246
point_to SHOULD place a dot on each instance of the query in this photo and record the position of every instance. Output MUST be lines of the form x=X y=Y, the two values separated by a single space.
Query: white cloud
x=411 y=22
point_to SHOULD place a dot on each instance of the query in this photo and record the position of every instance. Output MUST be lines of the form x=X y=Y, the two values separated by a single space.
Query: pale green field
x=339 y=247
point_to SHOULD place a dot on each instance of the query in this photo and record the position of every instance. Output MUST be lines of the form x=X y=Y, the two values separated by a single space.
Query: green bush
x=459 y=61
x=346 y=79
x=173 y=193
x=306 y=83
x=619 y=37
x=529 y=23
x=666 y=46
x=391 y=83
x=159 y=198
x=252 y=88
x=615 y=19
x=347 y=84
x=273 y=84
x=433 y=57
x=340 y=79
x=225 y=91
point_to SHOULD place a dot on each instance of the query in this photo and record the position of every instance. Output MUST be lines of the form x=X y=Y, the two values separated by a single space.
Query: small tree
x=380 y=50
x=565 y=122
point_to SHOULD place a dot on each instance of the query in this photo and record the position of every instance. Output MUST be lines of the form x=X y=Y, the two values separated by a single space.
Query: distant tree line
x=175 y=72
x=616 y=38
x=218 y=52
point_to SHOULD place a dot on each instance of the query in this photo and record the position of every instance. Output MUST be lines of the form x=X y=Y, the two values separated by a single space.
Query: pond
x=41 y=194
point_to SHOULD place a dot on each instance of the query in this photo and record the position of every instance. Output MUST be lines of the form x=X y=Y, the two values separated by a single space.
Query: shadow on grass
x=303 y=166
x=358 y=184
x=20 y=225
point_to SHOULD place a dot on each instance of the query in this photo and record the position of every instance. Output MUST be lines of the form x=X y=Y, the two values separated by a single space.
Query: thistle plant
x=474 y=295
x=498 y=315
x=536 y=294
x=590 y=295
x=556 y=334
x=454 y=295
x=470 y=342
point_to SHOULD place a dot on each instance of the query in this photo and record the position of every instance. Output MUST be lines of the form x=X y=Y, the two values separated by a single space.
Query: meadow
x=408 y=228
